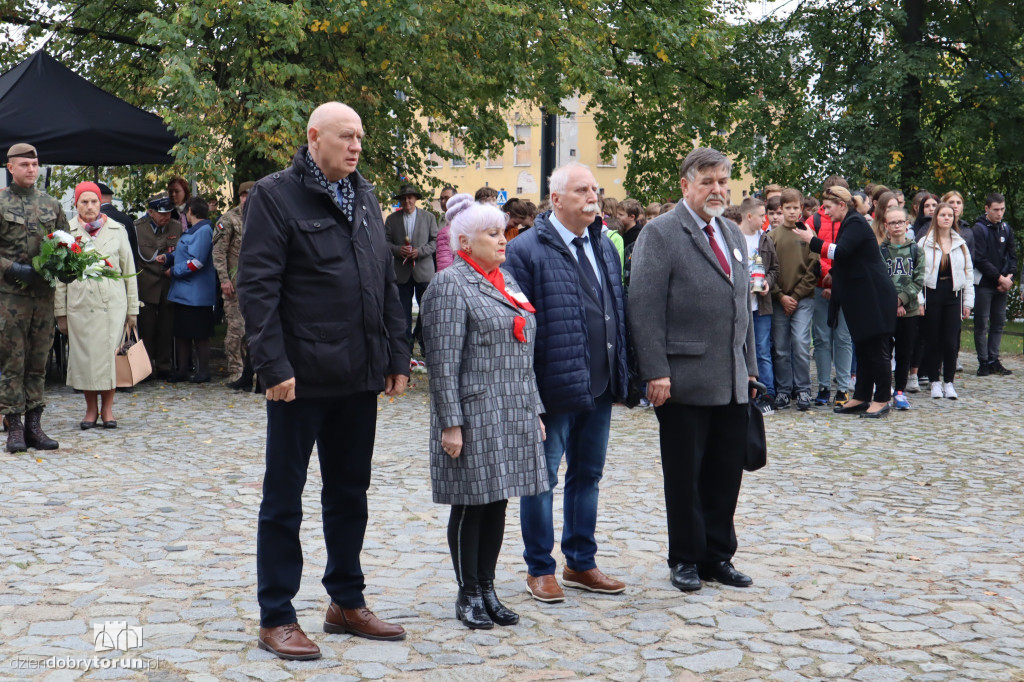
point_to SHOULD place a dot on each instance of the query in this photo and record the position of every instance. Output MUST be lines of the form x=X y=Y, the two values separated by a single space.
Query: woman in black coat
x=861 y=286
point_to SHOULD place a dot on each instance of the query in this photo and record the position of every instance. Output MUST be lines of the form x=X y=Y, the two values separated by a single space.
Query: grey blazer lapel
x=484 y=285
x=421 y=232
x=699 y=239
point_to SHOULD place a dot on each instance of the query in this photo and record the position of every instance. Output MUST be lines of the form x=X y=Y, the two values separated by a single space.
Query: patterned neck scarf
x=342 y=192
x=93 y=227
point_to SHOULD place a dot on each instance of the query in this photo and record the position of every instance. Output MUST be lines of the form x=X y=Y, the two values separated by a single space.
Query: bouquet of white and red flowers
x=65 y=258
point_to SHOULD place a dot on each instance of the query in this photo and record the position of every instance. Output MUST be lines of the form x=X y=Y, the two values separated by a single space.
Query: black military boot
x=34 y=435
x=15 y=434
x=244 y=382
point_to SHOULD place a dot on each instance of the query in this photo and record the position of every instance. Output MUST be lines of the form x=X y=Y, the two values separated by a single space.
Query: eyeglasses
x=897 y=223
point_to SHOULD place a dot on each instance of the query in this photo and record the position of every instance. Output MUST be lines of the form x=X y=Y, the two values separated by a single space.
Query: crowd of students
x=944 y=269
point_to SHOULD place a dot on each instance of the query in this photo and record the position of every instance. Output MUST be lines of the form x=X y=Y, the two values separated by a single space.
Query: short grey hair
x=702 y=159
x=558 y=182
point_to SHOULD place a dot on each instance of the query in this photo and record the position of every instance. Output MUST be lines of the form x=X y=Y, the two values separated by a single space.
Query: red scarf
x=498 y=280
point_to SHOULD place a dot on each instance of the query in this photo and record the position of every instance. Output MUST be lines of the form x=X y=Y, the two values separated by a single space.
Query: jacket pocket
x=320 y=239
x=685 y=347
x=319 y=352
x=47 y=220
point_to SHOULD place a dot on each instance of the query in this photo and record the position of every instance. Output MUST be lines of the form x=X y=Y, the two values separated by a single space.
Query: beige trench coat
x=96 y=310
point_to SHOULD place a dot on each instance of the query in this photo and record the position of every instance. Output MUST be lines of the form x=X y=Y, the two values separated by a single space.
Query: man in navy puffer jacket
x=571 y=275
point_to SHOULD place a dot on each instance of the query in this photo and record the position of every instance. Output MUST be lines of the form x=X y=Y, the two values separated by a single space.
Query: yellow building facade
x=516 y=169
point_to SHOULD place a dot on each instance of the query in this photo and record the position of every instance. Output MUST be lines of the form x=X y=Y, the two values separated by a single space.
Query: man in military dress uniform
x=158 y=235
x=225 y=259
x=26 y=300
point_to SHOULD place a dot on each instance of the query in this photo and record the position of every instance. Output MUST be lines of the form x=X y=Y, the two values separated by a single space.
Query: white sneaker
x=913 y=385
x=937 y=389
x=949 y=391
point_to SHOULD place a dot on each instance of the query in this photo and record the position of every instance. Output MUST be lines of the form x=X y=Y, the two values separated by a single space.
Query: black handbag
x=757 y=444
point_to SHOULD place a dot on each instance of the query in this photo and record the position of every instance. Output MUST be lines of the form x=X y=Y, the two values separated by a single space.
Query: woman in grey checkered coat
x=485 y=429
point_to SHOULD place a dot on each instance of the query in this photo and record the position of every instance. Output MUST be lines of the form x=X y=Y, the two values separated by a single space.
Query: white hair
x=558 y=182
x=468 y=217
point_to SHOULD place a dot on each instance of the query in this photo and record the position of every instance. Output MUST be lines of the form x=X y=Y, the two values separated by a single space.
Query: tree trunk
x=913 y=169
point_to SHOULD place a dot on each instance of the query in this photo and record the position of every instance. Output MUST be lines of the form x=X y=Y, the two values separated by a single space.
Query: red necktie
x=719 y=254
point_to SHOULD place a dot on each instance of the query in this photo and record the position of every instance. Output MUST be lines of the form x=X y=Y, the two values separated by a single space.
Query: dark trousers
x=989 y=320
x=904 y=343
x=405 y=293
x=475 y=533
x=343 y=429
x=874 y=369
x=941 y=330
x=156 y=327
x=702 y=452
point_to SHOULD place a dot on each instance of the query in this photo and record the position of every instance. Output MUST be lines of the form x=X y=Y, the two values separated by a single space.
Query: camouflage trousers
x=26 y=337
x=234 y=338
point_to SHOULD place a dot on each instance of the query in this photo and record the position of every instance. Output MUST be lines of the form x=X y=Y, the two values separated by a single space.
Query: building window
x=523 y=149
x=458 y=148
x=494 y=158
x=434 y=159
x=604 y=158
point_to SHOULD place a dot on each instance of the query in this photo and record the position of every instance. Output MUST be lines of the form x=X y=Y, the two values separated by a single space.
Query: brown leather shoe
x=288 y=642
x=544 y=588
x=360 y=622
x=592 y=581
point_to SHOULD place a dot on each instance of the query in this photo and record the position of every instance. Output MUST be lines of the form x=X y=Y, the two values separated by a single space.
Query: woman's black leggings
x=475 y=533
x=874 y=369
x=941 y=330
x=904 y=343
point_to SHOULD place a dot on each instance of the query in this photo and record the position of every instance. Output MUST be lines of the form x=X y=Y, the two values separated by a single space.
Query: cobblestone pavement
x=880 y=550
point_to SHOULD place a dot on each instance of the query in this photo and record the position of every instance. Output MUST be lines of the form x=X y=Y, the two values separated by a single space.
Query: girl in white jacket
x=948 y=298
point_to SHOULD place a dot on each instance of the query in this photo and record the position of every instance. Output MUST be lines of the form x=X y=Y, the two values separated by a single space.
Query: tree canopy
x=239 y=79
x=908 y=93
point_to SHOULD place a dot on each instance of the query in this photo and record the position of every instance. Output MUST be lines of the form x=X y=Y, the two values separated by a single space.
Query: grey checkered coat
x=481 y=378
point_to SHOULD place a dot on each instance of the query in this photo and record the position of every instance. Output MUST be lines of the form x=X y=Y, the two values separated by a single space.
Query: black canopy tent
x=72 y=122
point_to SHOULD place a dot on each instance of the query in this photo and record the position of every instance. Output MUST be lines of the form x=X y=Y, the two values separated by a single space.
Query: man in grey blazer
x=691 y=324
x=412 y=235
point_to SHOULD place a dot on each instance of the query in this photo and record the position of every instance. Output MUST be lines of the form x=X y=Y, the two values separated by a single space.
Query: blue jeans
x=583 y=438
x=791 y=335
x=763 y=344
x=832 y=347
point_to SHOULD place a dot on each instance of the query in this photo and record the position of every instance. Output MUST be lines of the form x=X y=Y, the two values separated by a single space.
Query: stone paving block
x=831 y=531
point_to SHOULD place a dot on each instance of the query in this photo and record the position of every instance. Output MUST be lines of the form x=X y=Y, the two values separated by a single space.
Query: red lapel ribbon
x=498 y=280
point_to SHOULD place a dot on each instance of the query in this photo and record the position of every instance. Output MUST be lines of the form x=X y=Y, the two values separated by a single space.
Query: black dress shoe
x=470 y=609
x=852 y=409
x=199 y=378
x=876 y=415
x=685 y=577
x=176 y=377
x=499 y=613
x=89 y=425
x=112 y=424
x=724 y=572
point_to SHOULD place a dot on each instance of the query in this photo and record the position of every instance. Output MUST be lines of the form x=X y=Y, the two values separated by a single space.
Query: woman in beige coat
x=94 y=312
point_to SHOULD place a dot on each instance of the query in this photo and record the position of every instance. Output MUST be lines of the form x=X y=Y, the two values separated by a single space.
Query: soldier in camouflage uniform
x=26 y=300
x=225 y=258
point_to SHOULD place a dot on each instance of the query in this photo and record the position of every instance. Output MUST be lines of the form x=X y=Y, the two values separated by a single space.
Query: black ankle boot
x=470 y=609
x=244 y=382
x=499 y=613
